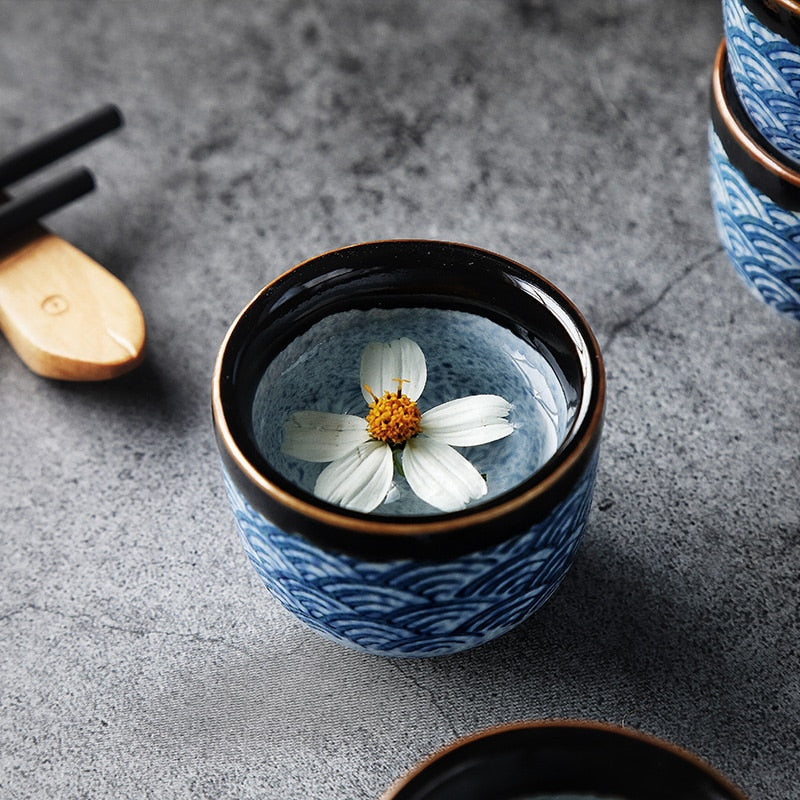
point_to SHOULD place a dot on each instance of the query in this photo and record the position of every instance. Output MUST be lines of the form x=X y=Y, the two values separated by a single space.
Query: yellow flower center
x=393 y=418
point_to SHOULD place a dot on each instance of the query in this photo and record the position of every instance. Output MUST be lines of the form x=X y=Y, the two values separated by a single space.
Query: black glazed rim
x=563 y=756
x=763 y=165
x=441 y=274
x=780 y=16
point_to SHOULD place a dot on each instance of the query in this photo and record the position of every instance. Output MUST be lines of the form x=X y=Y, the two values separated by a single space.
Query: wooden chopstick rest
x=65 y=315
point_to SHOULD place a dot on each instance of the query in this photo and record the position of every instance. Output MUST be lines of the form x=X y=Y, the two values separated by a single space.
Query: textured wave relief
x=761 y=238
x=766 y=72
x=412 y=608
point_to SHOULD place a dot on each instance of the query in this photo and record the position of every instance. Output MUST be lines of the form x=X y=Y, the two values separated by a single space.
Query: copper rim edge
x=344 y=522
x=574 y=724
x=755 y=152
x=792 y=6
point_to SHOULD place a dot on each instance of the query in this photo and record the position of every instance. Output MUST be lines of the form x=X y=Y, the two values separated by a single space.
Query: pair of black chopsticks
x=20 y=211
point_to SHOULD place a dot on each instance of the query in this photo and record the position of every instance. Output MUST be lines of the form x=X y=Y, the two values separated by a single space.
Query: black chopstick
x=58 y=143
x=23 y=210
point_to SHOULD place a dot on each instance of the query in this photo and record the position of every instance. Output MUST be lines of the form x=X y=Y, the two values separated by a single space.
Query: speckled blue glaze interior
x=466 y=354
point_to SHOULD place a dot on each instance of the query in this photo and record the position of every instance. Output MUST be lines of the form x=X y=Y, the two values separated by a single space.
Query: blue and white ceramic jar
x=406 y=578
x=763 y=39
x=755 y=194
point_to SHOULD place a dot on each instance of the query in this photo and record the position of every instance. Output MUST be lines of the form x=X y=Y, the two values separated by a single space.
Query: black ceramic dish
x=563 y=758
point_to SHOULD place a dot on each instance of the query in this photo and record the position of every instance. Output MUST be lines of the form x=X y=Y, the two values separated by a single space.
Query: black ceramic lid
x=563 y=757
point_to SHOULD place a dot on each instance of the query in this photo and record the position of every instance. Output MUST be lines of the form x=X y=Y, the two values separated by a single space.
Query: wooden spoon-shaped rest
x=65 y=315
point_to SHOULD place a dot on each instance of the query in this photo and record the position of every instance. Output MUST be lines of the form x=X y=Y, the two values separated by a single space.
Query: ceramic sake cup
x=563 y=760
x=414 y=581
x=755 y=195
x=763 y=39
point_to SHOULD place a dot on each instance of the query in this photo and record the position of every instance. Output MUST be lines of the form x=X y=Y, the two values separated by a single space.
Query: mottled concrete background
x=139 y=654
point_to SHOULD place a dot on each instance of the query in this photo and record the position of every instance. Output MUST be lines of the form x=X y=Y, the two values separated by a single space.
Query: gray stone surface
x=139 y=655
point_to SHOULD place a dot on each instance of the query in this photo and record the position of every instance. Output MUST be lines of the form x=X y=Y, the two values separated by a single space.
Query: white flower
x=361 y=450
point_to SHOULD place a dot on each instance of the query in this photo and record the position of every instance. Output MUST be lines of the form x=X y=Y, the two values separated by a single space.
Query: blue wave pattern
x=761 y=238
x=766 y=72
x=405 y=608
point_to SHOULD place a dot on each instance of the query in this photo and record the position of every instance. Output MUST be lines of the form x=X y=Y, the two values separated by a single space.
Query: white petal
x=382 y=362
x=320 y=436
x=360 y=480
x=440 y=476
x=468 y=420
